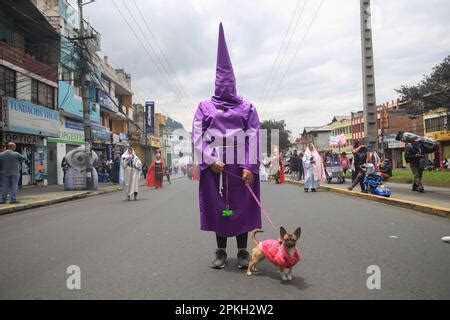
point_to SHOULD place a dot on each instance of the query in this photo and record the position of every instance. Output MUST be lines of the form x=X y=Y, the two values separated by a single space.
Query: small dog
x=283 y=253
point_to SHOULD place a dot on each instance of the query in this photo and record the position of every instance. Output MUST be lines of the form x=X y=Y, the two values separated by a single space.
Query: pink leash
x=254 y=197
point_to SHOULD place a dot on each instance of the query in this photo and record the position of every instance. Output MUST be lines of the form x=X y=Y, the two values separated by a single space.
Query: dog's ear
x=283 y=232
x=298 y=232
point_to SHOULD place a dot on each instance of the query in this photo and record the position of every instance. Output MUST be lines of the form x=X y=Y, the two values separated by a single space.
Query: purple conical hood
x=225 y=93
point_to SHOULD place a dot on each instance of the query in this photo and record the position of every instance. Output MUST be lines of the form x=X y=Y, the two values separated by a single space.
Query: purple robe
x=226 y=111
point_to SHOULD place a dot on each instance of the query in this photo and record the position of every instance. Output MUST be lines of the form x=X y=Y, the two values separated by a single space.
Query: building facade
x=29 y=57
x=437 y=127
x=65 y=20
x=109 y=91
x=342 y=126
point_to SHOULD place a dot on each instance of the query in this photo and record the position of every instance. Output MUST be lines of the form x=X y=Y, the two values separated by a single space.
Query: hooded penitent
x=226 y=113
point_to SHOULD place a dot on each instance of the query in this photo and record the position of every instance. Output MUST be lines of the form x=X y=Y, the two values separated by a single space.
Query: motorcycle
x=373 y=182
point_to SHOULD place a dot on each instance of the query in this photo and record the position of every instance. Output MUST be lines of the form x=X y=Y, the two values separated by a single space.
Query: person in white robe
x=132 y=169
x=314 y=169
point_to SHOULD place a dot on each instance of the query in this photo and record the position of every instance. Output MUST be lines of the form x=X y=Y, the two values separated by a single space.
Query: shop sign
x=149 y=117
x=393 y=143
x=124 y=137
x=101 y=133
x=115 y=138
x=155 y=142
x=440 y=136
x=26 y=117
x=105 y=101
x=110 y=152
x=22 y=138
x=70 y=132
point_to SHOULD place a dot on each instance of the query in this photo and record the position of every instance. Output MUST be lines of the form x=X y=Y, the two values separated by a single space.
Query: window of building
x=435 y=124
x=66 y=75
x=42 y=94
x=7 y=82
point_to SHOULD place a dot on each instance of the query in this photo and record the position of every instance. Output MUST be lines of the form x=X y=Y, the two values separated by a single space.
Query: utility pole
x=84 y=94
x=144 y=118
x=369 y=107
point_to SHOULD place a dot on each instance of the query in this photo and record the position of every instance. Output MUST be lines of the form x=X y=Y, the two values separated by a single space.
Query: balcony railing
x=27 y=62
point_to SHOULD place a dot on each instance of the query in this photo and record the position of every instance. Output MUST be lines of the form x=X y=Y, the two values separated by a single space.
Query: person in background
x=366 y=155
x=156 y=172
x=132 y=171
x=168 y=173
x=415 y=156
x=145 y=170
x=281 y=178
x=386 y=169
x=314 y=169
x=274 y=169
x=116 y=170
x=445 y=164
x=294 y=165
x=65 y=166
x=359 y=158
x=344 y=162
x=11 y=164
x=264 y=164
x=301 y=172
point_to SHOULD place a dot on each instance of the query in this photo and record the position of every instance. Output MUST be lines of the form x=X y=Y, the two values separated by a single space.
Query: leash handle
x=258 y=202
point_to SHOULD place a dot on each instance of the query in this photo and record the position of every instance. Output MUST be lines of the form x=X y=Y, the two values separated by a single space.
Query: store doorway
x=52 y=174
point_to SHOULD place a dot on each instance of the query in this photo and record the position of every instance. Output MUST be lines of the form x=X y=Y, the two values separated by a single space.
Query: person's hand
x=218 y=167
x=418 y=155
x=247 y=176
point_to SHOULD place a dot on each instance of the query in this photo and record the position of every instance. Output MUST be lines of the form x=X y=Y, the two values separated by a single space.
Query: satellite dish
x=78 y=159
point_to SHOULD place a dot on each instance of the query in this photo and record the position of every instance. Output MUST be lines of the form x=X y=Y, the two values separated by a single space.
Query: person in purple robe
x=227 y=207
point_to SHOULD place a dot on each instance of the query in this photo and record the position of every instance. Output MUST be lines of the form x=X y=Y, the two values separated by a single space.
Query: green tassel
x=227 y=213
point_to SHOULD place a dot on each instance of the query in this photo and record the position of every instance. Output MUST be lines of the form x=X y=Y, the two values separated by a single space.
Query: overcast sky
x=324 y=78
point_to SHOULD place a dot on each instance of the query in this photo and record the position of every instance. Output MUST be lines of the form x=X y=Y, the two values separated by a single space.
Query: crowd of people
x=309 y=166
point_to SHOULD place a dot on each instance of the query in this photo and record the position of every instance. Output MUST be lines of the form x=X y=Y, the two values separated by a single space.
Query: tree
x=284 y=134
x=432 y=92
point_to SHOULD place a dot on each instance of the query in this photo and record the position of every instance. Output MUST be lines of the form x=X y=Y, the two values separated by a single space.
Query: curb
x=82 y=195
x=413 y=205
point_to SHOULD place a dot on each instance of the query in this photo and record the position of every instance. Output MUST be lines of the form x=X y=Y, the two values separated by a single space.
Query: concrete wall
x=60 y=153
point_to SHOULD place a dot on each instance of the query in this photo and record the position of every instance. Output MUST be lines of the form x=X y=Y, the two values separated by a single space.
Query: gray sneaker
x=243 y=257
x=220 y=260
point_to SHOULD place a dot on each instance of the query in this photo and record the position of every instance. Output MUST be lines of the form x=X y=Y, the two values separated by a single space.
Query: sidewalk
x=433 y=195
x=435 y=200
x=32 y=196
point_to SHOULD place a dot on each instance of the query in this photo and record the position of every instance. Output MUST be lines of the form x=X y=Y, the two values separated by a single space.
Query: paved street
x=153 y=249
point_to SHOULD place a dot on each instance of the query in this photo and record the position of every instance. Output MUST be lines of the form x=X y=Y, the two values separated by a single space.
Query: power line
x=148 y=53
x=279 y=52
x=99 y=82
x=283 y=56
x=180 y=92
x=295 y=54
x=162 y=52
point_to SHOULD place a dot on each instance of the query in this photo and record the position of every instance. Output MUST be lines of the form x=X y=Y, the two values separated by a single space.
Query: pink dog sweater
x=277 y=254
